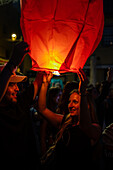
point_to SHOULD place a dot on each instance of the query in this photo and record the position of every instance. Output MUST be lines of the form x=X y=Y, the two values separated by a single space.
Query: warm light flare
x=56 y=73
x=53 y=60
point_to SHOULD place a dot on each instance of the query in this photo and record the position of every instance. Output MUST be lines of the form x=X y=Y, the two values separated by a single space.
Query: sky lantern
x=62 y=34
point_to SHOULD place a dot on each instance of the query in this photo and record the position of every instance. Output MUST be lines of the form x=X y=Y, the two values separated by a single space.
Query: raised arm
x=17 y=56
x=53 y=118
x=93 y=130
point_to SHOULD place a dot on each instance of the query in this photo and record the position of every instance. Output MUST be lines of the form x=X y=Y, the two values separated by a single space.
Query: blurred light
x=13 y=37
x=56 y=73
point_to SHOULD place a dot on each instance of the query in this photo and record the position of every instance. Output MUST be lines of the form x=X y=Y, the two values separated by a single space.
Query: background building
x=97 y=64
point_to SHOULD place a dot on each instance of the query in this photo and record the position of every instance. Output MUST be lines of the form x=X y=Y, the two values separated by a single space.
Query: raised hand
x=18 y=53
x=47 y=77
x=83 y=81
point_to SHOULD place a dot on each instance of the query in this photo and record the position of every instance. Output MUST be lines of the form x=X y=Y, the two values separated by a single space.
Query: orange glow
x=52 y=56
x=62 y=35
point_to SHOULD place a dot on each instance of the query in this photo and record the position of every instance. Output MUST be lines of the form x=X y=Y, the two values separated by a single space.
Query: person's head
x=73 y=103
x=63 y=102
x=12 y=88
x=92 y=91
x=11 y=93
x=54 y=94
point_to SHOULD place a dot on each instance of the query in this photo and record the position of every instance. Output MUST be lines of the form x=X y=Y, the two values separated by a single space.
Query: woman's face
x=73 y=105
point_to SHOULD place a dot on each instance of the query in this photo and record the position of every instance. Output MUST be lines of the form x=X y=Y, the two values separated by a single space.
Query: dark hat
x=14 y=77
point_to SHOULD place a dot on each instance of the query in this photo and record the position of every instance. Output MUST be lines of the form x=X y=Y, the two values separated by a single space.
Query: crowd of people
x=79 y=118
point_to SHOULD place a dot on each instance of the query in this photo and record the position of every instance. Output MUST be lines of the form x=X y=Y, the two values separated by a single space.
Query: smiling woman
x=75 y=136
x=73 y=105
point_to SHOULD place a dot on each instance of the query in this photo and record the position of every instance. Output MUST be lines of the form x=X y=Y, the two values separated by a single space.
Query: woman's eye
x=75 y=101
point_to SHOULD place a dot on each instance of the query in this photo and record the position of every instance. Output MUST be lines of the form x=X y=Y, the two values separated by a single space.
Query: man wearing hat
x=17 y=140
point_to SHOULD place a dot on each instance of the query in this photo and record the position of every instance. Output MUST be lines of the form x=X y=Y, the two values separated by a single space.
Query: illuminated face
x=73 y=105
x=11 y=93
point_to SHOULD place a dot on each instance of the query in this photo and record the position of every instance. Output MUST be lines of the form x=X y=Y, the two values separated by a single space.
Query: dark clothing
x=108 y=112
x=74 y=149
x=99 y=101
x=17 y=141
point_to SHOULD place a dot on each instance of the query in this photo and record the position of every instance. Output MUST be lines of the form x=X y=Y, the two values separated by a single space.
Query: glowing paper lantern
x=62 y=34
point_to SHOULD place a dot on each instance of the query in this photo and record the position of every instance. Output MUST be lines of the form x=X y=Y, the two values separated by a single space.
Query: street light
x=13 y=37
